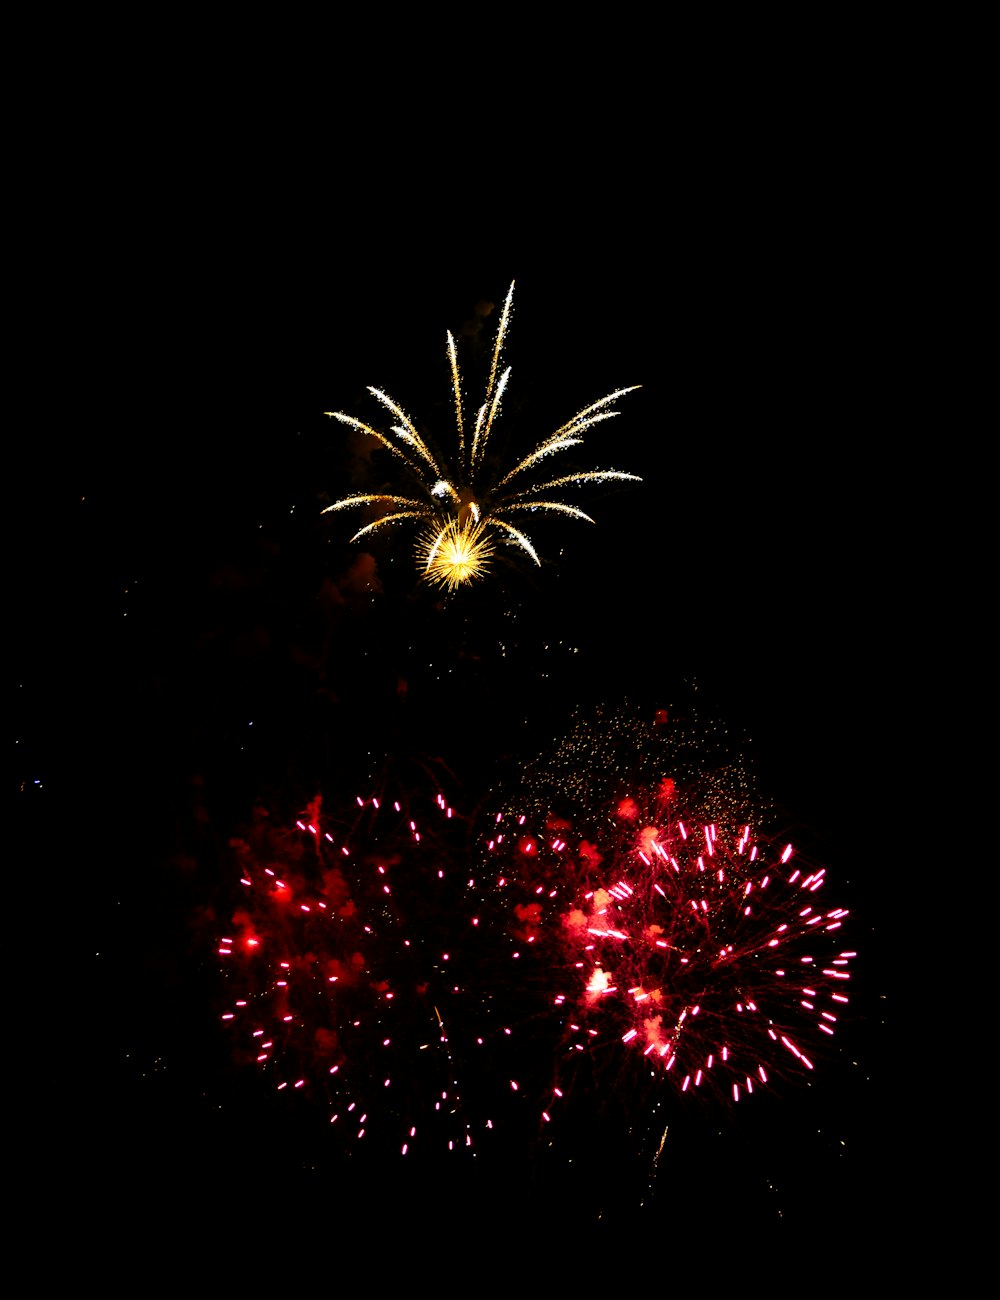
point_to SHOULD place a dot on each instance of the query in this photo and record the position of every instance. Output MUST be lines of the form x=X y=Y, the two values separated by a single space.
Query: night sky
x=190 y=642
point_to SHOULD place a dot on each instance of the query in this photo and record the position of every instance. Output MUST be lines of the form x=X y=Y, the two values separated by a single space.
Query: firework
x=336 y=971
x=463 y=505
x=668 y=949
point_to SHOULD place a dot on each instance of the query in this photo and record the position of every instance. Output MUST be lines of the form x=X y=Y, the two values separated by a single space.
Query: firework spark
x=465 y=505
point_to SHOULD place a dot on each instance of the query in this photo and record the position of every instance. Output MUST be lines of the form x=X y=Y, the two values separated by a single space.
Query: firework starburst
x=465 y=504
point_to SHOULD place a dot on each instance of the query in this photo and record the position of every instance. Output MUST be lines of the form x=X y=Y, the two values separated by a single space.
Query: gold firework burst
x=455 y=553
x=467 y=506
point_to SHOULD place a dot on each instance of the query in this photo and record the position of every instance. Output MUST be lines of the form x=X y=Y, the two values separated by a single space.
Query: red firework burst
x=336 y=967
x=693 y=950
x=707 y=959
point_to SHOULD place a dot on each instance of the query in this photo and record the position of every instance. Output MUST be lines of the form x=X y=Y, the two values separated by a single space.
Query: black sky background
x=172 y=560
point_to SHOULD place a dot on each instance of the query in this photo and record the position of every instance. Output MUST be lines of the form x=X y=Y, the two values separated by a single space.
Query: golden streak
x=494 y=411
x=498 y=345
x=388 y=519
x=558 y=507
x=464 y=501
x=408 y=433
x=373 y=433
x=456 y=383
x=518 y=537
x=585 y=416
x=551 y=445
x=371 y=499
x=588 y=476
